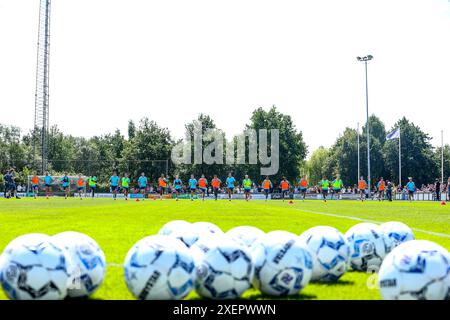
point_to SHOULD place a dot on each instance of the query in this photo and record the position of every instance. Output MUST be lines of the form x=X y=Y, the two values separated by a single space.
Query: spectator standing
x=437 y=190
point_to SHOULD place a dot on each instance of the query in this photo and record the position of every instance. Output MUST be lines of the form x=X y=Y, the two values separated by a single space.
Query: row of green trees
x=419 y=158
x=146 y=147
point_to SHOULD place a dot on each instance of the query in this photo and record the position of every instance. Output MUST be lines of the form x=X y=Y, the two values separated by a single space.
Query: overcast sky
x=170 y=60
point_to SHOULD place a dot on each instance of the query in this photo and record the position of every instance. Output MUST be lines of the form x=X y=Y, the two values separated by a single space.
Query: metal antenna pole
x=41 y=102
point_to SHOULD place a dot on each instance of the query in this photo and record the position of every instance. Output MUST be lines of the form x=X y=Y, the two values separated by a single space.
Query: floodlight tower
x=365 y=60
x=41 y=106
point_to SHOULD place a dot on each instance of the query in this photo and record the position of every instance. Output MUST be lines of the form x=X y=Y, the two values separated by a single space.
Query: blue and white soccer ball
x=329 y=250
x=89 y=259
x=395 y=233
x=172 y=226
x=159 y=268
x=367 y=249
x=35 y=268
x=224 y=271
x=208 y=227
x=245 y=235
x=283 y=265
x=415 y=270
x=281 y=235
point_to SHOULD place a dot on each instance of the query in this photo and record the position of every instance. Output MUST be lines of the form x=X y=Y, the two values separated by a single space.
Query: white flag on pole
x=393 y=135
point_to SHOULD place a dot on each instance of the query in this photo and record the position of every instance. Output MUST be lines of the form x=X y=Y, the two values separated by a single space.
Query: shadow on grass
x=335 y=283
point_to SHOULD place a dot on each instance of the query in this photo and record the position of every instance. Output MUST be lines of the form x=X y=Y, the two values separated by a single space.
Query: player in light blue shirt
x=193 y=186
x=142 y=182
x=47 y=184
x=411 y=187
x=177 y=183
x=65 y=185
x=230 y=185
x=114 y=184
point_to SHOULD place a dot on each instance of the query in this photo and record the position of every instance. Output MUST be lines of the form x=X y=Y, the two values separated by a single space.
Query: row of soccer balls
x=185 y=256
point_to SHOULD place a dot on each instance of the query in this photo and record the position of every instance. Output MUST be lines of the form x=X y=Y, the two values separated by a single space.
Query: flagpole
x=399 y=157
x=442 y=157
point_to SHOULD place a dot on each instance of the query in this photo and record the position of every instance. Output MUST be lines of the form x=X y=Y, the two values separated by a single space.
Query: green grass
x=117 y=225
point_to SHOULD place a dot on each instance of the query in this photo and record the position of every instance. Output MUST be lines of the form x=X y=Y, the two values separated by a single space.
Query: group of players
x=384 y=189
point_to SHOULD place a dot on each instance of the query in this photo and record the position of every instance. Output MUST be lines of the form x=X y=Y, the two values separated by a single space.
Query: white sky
x=170 y=60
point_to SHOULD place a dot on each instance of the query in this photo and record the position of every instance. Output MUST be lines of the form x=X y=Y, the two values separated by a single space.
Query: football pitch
x=117 y=225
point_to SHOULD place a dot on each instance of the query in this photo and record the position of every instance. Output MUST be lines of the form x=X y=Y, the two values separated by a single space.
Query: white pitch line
x=444 y=235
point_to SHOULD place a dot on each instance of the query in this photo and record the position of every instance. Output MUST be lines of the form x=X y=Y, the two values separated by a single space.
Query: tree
x=418 y=160
x=344 y=157
x=151 y=142
x=317 y=165
x=292 y=148
x=437 y=157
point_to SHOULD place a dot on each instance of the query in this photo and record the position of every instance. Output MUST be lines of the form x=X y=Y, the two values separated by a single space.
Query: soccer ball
x=415 y=270
x=89 y=260
x=35 y=268
x=172 y=226
x=367 y=249
x=159 y=268
x=395 y=233
x=208 y=227
x=245 y=235
x=329 y=250
x=202 y=246
x=225 y=271
x=283 y=266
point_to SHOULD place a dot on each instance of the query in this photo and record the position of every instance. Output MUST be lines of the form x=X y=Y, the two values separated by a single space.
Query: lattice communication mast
x=41 y=112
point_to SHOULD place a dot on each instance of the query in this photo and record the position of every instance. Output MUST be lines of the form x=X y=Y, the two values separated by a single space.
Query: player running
x=178 y=184
x=65 y=181
x=114 y=184
x=142 y=183
x=162 y=183
x=35 y=184
x=362 y=186
x=92 y=182
x=192 y=186
x=80 y=185
x=216 y=182
x=337 y=187
x=381 y=186
x=411 y=187
x=203 y=185
x=303 y=187
x=230 y=185
x=247 y=185
x=324 y=184
x=284 y=185
x=126 y=185
x=47 y=184
x=267 y=185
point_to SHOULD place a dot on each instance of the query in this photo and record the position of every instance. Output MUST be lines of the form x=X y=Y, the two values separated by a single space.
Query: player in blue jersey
x=230 y=185
x=193 y=186
x=114 y=184
x=47 y=184
x=411 y=187
x=142 y=183
x=65 y=181
x=177 y=184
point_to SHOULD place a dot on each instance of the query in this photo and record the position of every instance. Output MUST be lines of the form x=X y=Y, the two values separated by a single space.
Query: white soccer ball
x=329 y=250
x=283 y=266
x=89 y=260
x=367 y=249
x=159 y=268
x=225 y=271
x=208 y=227
x=171 y=226
x=35 y=268
x=202 y=246
x=415 y=270
x=245 y=235
x=395 y=233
